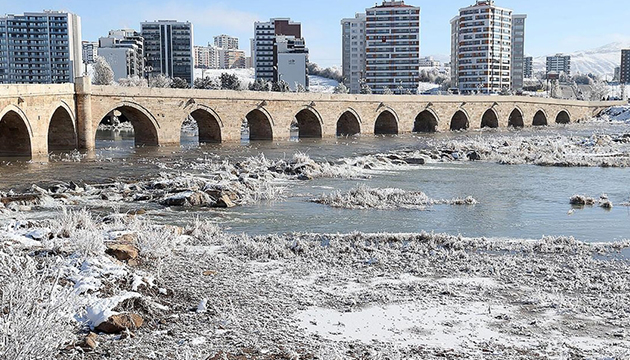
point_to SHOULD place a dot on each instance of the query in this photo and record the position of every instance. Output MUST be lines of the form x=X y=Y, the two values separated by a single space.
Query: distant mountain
x=601 y=61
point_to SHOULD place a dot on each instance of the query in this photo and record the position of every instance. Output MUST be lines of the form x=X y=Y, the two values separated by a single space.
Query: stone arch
x=62 y=132
x=260 y=125
x=426 y=122
x=145 y=126
x=540 y=119
x=349 y=123
x=309 y=123
x=15 y=133
x=516 y=118
x=563 y=117
x=490 y=119
x=460 y=121
x=386 y=123
x=209 y=124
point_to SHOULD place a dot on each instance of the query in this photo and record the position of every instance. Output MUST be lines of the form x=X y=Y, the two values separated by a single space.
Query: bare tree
x=341 y=89
x=179 y=83
x=160 y=81
x=365 y=88
x=134 y=81
x=103 y=73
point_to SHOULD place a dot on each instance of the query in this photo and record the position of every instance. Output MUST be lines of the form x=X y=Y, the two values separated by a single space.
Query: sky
x=552 y=26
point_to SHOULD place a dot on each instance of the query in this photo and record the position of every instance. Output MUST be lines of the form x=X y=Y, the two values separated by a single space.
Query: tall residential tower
x=280 y=52
x=353 y=54
x=168 y=46
x=392 y=47
x=484 y=49
x=40 y=48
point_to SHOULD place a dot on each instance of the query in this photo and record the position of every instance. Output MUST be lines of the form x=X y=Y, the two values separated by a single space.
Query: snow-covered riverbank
x=198 y=293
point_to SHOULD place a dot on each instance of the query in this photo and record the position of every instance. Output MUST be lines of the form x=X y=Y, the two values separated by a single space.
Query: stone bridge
x=37 y=119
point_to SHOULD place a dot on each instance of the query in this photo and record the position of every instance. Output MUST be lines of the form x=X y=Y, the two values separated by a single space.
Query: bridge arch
x=145 y=125
x=260 y=124
x=15 y=133
x=62 y=131
x=426 y=122
x=563 y=117
x=386 y=122
x=209 y=124
x=460 y=121
x=516 y=118
x=309 y=123
x=349 y=123
x=540 y=119
x=490 y=119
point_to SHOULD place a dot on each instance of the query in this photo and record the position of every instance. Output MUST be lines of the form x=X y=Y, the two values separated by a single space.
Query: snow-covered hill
x=600 y=61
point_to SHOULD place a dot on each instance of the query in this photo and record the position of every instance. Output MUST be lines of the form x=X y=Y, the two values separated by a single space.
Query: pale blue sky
x=552 y=26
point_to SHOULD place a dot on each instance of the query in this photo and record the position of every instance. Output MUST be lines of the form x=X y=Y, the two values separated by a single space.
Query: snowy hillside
x=601 y=61
x=318 y=84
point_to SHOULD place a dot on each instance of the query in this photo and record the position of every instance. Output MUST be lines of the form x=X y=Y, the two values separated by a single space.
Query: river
x=514 y=201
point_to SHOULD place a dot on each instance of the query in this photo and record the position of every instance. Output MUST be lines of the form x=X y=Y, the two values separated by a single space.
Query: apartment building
x=392 y=34
x=226 y=42
x=518 y=51
x=89 y=49
x=528 y=67
x=40 y=48
x=624 y=69
x=168 y=46
x=124 y=52
x=559 y=63
x=483 y=48
x=353 y=51
x=280 y=39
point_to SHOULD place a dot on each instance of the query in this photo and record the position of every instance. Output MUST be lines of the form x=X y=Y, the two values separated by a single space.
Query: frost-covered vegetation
x=363 y=197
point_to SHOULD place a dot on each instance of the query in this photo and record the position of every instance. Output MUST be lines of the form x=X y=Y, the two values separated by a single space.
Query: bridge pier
x=83 y=99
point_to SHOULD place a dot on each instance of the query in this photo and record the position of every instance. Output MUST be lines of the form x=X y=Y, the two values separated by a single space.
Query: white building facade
x=124 y=52
x=226 y=42
x=40 y=48
x=481 y=48
x=392 y=47
x=353 y=51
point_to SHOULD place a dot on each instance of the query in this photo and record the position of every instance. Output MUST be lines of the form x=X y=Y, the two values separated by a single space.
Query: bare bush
x=37 y=313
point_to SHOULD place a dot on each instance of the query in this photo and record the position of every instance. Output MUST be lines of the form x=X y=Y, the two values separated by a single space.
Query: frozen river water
x=514 y=201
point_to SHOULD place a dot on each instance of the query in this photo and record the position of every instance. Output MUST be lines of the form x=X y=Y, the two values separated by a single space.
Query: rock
x=111 y=196
x=415 y=161
x=304 y=177
x=473 y=156
x=137 y=212
x=187 y=198
x=119 y=323
x=122 y=251
x=581 y=200
x=24 y=199
x=224 y=202
x=90 y=342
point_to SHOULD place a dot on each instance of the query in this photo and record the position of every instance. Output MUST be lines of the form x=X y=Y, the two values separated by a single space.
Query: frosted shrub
x=204 y=232
x=77 y=232
x=36 y=317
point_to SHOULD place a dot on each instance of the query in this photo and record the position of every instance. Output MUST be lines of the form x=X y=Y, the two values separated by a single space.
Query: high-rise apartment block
x=528 y=67
x=392 y=33
x=485 y=49
x=124 y=52
x=168 y=46
x=559 y=63
x=518 y=51
x=280 y=52
x=624 y=71
x=353 y=54
x=40 y=48
x=226 y=42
